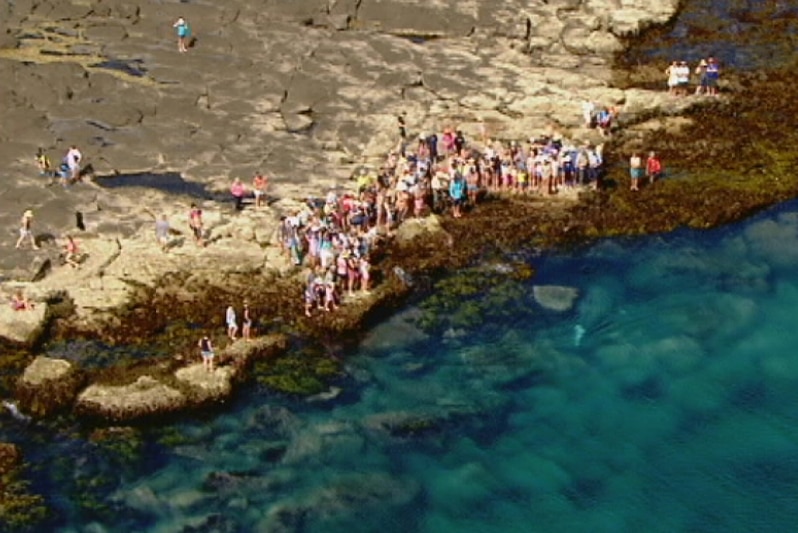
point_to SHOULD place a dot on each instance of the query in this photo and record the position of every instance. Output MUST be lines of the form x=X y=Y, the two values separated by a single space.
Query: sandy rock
x=145 y=397
x=205 y=386
x=555 y=298
x=47 y=385
x=22 y=327
x=419 y=227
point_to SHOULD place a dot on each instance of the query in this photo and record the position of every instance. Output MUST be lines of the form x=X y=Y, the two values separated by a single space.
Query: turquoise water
x=663 y=400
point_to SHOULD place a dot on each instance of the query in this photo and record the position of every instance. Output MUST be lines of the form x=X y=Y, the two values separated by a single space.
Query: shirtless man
x=195 y=223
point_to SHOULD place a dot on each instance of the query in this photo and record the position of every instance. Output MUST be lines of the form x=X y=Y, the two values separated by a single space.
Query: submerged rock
x=555 y=298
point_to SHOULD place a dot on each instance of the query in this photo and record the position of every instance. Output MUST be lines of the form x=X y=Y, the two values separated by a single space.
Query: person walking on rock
x=183 y=32
x=206 y=351
x=26 y=230
x=232 y=324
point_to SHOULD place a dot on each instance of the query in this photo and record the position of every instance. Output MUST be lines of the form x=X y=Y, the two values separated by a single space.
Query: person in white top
x=73 y=158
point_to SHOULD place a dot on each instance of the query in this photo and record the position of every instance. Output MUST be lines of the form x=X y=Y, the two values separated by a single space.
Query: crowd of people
x=707 y=74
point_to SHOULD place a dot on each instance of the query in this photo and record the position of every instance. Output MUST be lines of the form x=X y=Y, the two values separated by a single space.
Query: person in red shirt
x=653 y=167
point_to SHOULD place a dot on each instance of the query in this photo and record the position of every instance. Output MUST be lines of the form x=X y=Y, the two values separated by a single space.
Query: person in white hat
x=25 y=230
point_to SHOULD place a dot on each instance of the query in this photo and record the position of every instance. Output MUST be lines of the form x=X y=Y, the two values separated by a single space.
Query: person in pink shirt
x=238 y=190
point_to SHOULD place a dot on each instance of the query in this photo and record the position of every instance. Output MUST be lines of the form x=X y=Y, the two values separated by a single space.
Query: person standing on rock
x=26 y=230
x=713 y=74
x=73 y=158
x=45 y=166
x=238 y=190
x=232 y=324
x=206 y=350
x=183 y=32
x=653 y=167
x=259 y=185
x=635 y=170
x=246 y=323
x=195 y=223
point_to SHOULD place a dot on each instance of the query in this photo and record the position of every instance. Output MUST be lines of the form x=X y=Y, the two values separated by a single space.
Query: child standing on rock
x=206 y=350
x=183 y=32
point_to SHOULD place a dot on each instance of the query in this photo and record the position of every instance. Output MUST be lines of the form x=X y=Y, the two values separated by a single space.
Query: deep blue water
x=673 y=410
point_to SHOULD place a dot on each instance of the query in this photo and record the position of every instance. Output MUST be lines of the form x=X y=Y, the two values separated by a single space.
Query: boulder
x=555 y=298
x=47 y=386
x=204 y=386
x=417 y=227
x=22 y=327
x=145 y=397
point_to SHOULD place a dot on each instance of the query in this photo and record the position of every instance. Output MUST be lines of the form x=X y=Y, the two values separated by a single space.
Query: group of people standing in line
x=707 y=72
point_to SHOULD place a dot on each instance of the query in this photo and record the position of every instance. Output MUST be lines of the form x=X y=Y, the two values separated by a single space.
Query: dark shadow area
x=169 y=182
x=133 y=67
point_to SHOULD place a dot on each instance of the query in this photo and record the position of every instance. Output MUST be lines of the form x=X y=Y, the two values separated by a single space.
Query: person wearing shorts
x=206 y=350
x=232 y=324
x=636 y=170
x=181 y=26
x=26 y=231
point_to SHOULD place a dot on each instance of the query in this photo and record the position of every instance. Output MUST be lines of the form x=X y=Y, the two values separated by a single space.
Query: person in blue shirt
x=457 y=190
x=712 y=74
x=183 y=33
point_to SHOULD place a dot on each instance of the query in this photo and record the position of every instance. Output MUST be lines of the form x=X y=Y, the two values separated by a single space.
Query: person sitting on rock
x=20 y=302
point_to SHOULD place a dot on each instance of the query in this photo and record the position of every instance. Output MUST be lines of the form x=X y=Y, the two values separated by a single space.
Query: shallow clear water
x=663 y=400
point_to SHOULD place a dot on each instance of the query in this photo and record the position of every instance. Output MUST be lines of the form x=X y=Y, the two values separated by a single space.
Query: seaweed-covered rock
x=145 y=397
x=47 y=385
x=20 y=510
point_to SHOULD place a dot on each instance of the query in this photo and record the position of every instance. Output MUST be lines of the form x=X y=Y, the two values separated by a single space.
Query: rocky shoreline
x=129 y=292
x=118 y=89
x=250 y=96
